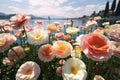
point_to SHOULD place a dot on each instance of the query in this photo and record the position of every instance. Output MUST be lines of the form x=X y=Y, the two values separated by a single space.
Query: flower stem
x=25 y=32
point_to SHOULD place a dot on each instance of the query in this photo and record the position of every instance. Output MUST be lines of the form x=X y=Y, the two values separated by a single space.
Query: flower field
x=58 y=53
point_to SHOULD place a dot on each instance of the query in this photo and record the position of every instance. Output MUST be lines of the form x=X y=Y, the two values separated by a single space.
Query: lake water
x=78 y=22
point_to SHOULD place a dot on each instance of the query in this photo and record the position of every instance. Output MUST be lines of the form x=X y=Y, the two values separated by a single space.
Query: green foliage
x=113 y=5
x=106 y=9
x=117 y=12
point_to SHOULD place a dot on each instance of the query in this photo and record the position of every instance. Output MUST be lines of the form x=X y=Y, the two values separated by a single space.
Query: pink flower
x=59 y=28
x=59 y=35
x=19 y=20
x=95 y=46
x=16 y=53
x=28 y=28
x=4 y=23
x=62 y=49
x=6 y=39
x=62 y=62
x=59 y=71
x=18 y=34
x=115 y=47
x=45 y=53
x=39 y=22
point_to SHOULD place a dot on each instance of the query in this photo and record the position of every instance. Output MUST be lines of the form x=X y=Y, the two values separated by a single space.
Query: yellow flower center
x=28 y=72
x=78 y=48
x=2 y=42
x=27 y=48
x=62 y=47
x=37 y=36
x=74 y=69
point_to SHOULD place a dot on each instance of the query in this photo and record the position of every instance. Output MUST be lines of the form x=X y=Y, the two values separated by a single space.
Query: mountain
x=7 y=16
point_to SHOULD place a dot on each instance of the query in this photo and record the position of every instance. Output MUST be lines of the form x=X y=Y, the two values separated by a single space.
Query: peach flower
x=45 y=53
x=52 y=27
x=95 y=46
x=19 y=20
x=62 y=49
x=16 y=53
x=59 y=35
x=28 y=71
x=67 y=37
x=6 y=39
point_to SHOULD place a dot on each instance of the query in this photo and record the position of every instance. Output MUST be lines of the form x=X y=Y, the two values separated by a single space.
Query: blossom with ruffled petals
x=52 y=27
x=37 y=37
x=59 y=35
x=28 y=71
x=95 y=46
x=114 y=32
x=19 y=20
x=115 y=47
x=45 y=53
x=16 y=53
x=67 y=37
x=91 y=23
x=74 y=69
x=6 y=39
x=72 y=30
x=62 y=49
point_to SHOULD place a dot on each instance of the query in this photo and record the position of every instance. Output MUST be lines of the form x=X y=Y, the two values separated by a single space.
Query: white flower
x=91 y=23
x=74 y=69
x=37 y=37
x=72 y=30
x=28 y=71
x=6 y=39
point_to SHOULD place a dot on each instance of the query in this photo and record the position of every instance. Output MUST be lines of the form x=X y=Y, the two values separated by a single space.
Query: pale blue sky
x=63 y=8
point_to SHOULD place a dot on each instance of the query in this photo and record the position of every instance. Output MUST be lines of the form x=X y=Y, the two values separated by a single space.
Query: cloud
x=14 y=8
x=17 y=0
x=62 y=8
x=46 y=2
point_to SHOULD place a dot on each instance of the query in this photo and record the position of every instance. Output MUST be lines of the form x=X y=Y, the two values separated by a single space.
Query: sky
x=61 y=8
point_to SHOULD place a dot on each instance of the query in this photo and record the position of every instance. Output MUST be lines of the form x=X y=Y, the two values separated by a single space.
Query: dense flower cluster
x=40 y=54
